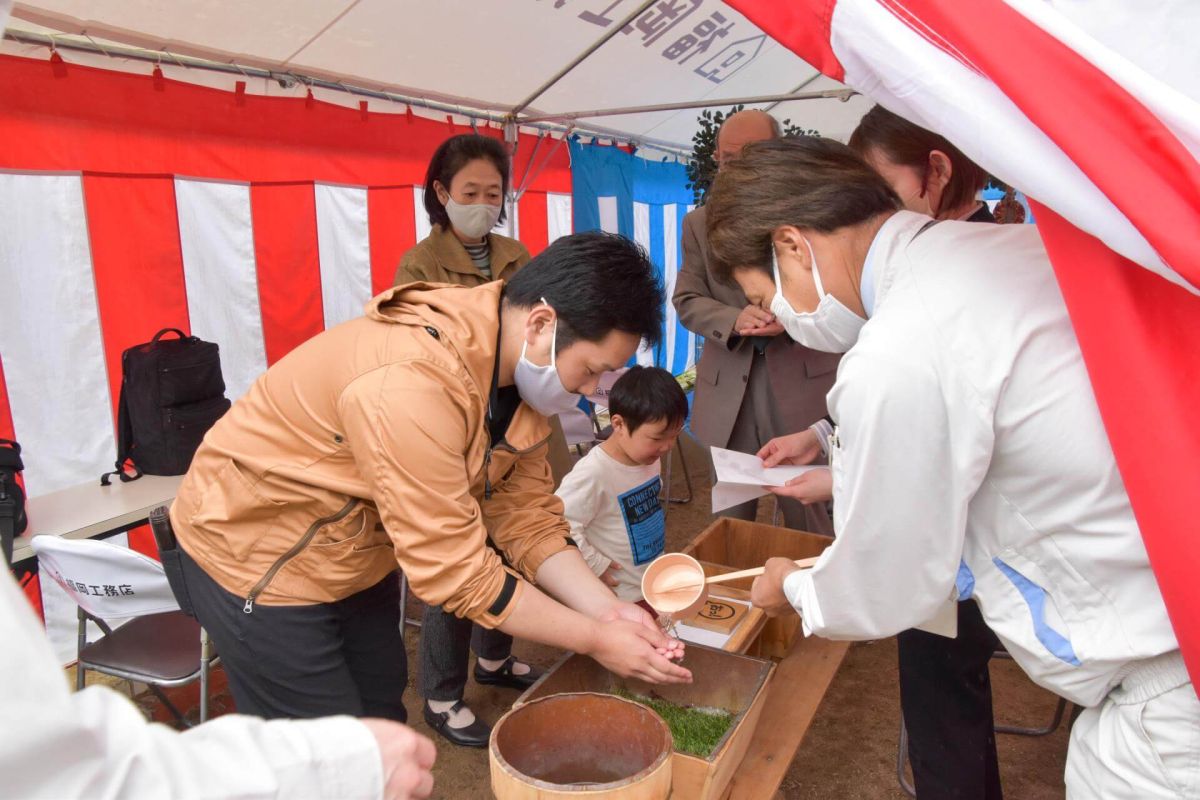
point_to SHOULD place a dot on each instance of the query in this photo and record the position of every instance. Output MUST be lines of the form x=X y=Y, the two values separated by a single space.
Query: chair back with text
x=105 y=580
x=156 y=644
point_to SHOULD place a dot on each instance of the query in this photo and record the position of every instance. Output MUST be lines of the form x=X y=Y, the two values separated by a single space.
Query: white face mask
x=832 y=327
x=474 y=220
x=541 y=387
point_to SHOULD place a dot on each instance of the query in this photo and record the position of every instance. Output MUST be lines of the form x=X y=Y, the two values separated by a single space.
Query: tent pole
x=519 y=185
x=801 y=85
x=840 y=94
x=289 y=79
x=530 y=178
x=519 y=107
x=285 y=79
x=512 y=139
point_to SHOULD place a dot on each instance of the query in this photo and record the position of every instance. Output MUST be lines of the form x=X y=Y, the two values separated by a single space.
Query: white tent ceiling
x=483 y=54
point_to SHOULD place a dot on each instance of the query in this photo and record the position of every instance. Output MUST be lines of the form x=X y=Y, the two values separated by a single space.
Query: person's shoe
x=505 y=675
x=474 y=735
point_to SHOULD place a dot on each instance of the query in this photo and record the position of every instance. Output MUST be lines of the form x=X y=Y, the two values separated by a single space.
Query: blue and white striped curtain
x=645 y=201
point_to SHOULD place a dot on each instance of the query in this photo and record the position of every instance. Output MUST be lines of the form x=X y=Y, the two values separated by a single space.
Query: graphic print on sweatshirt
x=644 y=520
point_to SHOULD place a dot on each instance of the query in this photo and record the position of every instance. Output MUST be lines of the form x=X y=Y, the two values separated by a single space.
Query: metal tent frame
x=511 y=120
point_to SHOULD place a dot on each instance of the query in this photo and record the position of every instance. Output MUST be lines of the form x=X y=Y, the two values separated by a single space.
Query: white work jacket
x=970 y=460
x=96 y=744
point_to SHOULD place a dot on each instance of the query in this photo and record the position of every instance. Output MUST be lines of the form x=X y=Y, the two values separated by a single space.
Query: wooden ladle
x=674 y=584
x=680 y=581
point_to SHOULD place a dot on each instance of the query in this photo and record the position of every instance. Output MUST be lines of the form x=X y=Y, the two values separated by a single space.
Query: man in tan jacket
x=751 y=383
x=414 y=435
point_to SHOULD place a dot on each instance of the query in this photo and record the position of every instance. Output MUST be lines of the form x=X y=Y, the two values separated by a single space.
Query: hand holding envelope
x=742 y=477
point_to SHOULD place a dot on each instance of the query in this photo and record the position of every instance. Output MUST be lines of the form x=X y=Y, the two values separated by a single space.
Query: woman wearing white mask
x=465 y=187
x=970 y=458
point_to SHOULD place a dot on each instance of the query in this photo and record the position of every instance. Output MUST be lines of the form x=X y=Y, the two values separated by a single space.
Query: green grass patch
x=696 y=731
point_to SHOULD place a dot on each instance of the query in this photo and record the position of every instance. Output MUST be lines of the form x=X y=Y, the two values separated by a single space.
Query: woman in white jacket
x=969 y=459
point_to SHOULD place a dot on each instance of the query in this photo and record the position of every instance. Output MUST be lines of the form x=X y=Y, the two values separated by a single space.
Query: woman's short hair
x=909 y=145
x=451 y=156
x=805 y=181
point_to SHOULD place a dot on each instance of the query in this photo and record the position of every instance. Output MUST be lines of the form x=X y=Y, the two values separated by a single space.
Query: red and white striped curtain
x=132 y=203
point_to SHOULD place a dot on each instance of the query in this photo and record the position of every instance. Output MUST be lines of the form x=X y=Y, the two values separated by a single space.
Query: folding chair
x=405 y=619
x=159 y=645
x=579 y=429
x=687 y=475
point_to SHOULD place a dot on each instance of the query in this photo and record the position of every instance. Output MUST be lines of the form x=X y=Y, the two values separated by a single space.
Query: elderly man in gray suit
x=752 y=383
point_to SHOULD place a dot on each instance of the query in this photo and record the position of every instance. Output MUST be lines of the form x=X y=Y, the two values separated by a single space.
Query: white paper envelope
x=741 y=477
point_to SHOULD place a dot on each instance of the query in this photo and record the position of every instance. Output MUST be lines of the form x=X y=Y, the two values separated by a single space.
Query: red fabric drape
x=1140 y=337
x=96 y=120
x=1140 y=334
x=138 y=267
x=388 y=242
x=289 y=274
x=131 y=135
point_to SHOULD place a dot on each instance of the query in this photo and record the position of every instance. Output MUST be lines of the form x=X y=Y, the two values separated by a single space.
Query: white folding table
x=91 y=510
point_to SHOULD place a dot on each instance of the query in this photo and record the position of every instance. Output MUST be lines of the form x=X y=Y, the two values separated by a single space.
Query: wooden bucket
x=581 y=745
x=738 y=684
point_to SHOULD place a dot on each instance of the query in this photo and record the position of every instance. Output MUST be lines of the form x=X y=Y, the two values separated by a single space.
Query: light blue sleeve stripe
x=964 y=581
x=1035 y=597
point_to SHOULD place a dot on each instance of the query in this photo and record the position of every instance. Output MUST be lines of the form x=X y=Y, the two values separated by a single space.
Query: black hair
x=597 y=283
x=648 y=394
x=451 y=156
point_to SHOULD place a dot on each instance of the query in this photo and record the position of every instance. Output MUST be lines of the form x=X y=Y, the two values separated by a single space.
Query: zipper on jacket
x=487 y=474
x=487 y=461
x=508 y=448
x=295 y=551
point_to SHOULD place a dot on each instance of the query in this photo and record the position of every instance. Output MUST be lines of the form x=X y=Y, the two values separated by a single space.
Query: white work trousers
x=1142 y=742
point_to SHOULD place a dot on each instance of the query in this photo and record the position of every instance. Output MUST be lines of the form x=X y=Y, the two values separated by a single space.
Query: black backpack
x=171 y=394
x=12 y=499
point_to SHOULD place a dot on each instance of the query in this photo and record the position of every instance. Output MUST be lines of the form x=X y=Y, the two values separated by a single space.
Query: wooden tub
x=733 y=682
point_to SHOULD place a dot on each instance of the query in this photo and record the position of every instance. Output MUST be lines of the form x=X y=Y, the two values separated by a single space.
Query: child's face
x=651 y=441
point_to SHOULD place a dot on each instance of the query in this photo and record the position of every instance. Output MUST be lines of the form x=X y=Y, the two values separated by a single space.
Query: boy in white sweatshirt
x=611 y=496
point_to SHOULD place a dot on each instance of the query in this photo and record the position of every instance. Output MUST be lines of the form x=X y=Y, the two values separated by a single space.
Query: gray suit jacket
x=800 y=377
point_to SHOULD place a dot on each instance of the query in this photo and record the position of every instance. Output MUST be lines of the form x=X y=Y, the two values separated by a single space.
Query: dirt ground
x=850 y=750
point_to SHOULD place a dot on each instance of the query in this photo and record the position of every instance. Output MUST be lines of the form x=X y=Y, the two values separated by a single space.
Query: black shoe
x=505 y=675
x=474 y=735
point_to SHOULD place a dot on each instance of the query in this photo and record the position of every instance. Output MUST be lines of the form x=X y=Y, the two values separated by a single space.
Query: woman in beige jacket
x=465 y=187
